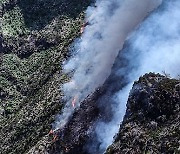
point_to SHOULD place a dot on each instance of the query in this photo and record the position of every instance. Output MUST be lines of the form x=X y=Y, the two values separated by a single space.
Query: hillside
x=35 y=37
x=152 y=120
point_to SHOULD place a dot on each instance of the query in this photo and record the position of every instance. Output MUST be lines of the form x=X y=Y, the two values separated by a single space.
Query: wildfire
x=52 y=132
x=74 y=101
x=83 y=27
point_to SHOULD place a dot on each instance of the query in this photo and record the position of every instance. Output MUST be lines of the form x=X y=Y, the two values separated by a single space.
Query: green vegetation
x=13 y=23
x=36 y=36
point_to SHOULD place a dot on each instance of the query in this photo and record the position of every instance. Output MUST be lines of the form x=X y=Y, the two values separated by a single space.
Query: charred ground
x=34 y=41
x=151 y=123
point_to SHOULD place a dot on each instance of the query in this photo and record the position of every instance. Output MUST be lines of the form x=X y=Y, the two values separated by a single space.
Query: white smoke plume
x=154 y=47
x=109 y=25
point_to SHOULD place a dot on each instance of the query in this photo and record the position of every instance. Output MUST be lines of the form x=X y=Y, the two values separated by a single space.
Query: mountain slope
x=35 y=37
x=152 y=120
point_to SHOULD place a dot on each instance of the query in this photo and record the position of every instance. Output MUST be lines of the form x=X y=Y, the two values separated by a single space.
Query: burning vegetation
x=153 y=100
x=35 y=39
x=75 y=134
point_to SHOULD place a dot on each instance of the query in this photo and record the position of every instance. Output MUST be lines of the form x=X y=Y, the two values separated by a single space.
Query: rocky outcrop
x=152 y=120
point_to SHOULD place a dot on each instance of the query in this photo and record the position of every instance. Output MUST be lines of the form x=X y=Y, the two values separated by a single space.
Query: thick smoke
x=109 y=25
x=154 y=47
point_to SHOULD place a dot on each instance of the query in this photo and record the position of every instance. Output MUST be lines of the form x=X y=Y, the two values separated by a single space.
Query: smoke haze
x=154 y=47
x=110 y=23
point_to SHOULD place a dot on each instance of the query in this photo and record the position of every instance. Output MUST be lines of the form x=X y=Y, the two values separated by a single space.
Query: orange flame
x=82 y=29
x=55 y=136
x=51 y=132
x=74 y=101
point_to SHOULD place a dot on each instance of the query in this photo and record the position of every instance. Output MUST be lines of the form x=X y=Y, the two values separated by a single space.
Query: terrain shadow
x=38 y=13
